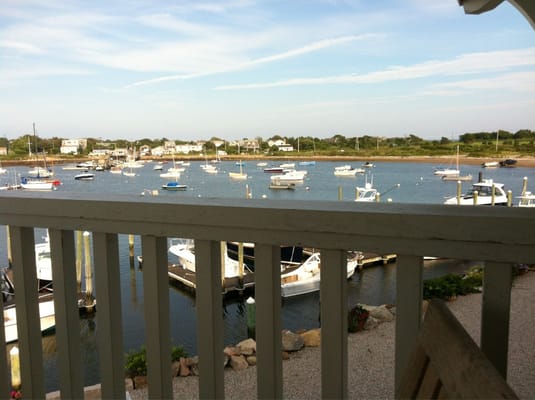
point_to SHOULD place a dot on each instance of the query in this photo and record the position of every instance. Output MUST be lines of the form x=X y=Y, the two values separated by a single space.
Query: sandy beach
x=371 y=356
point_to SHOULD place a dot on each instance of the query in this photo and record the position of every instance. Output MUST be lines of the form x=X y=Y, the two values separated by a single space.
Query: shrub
x=451 y=285
x=136 y=360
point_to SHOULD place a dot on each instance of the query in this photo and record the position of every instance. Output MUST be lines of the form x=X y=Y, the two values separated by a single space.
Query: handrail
x=499 y=235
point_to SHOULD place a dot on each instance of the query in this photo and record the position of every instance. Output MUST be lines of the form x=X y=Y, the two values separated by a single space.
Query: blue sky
x=190 y=70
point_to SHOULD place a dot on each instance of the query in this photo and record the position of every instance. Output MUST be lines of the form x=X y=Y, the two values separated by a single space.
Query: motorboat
x=368 y=164
x=348 y=172
x=288 y=254
x=485 y=195
x=367 y=193
x=185 y=252
x=306 y=277
x=47 y=320
x=490 y=164
x=43 y=262
x=85 y=176
x=274 y=170
x=526 y=200
x=289 y=177
x=174 y=186
x=170 y=174
x=282 y=186
x=508 y=163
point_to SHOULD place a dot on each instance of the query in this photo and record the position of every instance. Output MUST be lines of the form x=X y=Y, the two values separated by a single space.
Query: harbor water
x=398 y=182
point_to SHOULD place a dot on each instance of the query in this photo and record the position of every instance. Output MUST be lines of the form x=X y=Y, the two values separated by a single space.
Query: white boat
x=185 y=252
x=116 y=169
x=174 y=186
x=238 y=175
x=367 y=193
x=287 y=165
x=368 y=164
x=86 y=176
x=158 y=167
x=40 y=172
x=36 y=184
x=262 y=164
x=46 y=314
x=289 y=177
x=130 y=173
x=170 y=174
x=484 y=194
x=306 y=278
x=526 y=200
x=3 y=171
x=43 y=262
x=450 y=171
x=490 y=164
x=348 y=172
x=343 y=167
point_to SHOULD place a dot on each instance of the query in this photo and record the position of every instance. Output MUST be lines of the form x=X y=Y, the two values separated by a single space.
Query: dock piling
x=251 y=317
x=131 y=250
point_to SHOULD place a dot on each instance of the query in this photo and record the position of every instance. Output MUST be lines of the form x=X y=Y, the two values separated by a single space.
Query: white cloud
x=474 y=63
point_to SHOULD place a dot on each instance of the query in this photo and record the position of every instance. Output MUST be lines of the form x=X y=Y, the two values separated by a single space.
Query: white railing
x=499 y=236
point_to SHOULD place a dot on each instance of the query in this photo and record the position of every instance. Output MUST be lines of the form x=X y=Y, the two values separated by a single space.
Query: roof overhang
x=526 y=7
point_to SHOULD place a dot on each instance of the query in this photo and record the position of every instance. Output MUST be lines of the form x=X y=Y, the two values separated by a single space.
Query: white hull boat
x=46 y=314
x=484 y=195
x=306 y=278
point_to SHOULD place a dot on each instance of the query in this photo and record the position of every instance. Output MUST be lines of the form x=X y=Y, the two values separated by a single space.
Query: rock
x=175 y=368
x=291 y=341
x=232 y=351
x=251 y=360
x=128 y=384
x=371 y=323
x=237 y=363
x=312 y=338
x=140 y=381
x=382 y=313
x=285 y=355
x=193 y=364
x=184 y=369
x=247 y=347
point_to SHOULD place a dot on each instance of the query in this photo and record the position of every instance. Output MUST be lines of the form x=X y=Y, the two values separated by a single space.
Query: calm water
x=376 y=285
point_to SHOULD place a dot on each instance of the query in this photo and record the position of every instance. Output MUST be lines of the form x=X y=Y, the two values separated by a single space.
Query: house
x=281 y=145
x=72 y=146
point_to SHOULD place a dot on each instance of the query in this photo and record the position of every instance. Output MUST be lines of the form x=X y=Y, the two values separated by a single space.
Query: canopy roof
x=526 y=7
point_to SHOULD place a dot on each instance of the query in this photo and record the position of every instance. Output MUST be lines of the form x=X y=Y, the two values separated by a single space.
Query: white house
x=71 y=146
x=281 y=145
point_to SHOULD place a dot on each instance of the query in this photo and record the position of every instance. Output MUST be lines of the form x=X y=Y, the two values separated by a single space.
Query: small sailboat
x=238 y=175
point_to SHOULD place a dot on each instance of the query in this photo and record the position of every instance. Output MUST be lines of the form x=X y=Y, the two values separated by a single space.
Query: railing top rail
x=483 y=233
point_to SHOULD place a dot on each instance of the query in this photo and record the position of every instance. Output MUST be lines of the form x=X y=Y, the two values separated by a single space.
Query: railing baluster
x=157 y=324
x=66 y=313
x=268 y=321
x=409 y=287
x=109 y=316
x=4 y=370
x=209 y=319
x=333 y=295
x=496 y=304
x=28 y=321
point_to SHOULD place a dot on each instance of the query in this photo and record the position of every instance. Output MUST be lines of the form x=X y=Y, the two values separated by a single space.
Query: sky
x=234 y=69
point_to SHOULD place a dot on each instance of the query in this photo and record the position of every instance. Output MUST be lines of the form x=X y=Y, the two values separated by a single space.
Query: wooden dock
x=369 y=259
x=187 y=278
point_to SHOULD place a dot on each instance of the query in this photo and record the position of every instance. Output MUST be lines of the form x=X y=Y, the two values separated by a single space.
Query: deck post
x=209 y=319
x=67 y=314
x=333 y=295
x=409 y=287
x=495 y=313
x=28 y=322
x=268 y=321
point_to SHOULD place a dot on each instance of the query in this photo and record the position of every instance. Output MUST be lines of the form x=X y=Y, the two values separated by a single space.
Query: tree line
x=472 y=144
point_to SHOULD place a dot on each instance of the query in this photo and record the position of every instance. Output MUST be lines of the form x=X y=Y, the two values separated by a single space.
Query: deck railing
x=498 y=236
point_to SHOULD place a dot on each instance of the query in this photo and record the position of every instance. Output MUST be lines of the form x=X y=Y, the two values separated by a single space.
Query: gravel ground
x=371 y=357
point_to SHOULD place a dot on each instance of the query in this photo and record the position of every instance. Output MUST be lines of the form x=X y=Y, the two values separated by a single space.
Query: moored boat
x=86 y=176
x=486 y=192
x=174 y=186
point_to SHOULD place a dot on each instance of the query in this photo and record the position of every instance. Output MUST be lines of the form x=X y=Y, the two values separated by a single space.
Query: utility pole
x=497 y=135
x=357 y=143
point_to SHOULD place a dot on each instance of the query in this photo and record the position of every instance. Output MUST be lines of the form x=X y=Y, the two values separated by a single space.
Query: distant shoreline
x=528 y=162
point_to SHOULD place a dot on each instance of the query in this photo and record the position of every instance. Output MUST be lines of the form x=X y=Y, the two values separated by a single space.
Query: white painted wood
x=390 y=227
x=495 y=313
x=409 y=287
x=109 y=316
x=209 y=319
x=28 y=322
x=333 y=295
x=268 y=321
x=157 y=325
x=5 y=377
x=415 y=230
x=67 y=314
